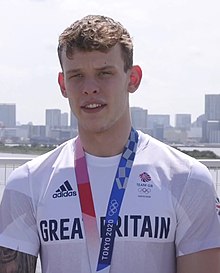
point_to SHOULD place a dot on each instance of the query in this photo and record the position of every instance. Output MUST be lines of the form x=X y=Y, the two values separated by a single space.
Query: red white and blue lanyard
x=104 y=251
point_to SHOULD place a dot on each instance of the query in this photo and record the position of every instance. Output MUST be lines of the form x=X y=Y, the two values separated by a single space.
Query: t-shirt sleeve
x=198 y=223
x=18 y=228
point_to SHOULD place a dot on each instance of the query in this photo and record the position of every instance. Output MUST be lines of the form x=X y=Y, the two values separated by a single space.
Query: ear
x=135 y=78
x=62 y=84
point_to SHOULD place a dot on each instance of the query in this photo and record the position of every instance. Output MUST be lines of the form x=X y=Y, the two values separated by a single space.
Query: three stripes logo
x=65 y=190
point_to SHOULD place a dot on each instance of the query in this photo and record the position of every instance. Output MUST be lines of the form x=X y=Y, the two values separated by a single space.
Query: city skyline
x=52 y=116
x=55 y=117
x=58 y=127
x=68 y=111
x=175 y=42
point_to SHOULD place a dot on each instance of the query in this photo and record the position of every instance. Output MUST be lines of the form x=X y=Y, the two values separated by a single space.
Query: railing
x=8 y=164
x=214 y=167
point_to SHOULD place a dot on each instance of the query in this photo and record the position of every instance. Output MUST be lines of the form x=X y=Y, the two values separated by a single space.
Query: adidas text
x=64 y=194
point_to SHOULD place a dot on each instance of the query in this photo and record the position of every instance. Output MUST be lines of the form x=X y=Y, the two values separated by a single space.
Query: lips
x=92 y=106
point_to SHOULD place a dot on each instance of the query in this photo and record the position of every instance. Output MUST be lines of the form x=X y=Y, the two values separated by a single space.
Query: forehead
x=96 y=59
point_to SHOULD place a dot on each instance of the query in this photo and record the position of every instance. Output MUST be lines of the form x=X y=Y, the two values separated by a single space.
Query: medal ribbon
x=105 y=250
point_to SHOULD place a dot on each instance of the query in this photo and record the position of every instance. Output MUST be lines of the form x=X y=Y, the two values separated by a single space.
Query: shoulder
x=51 y=157
x=166 y=154
x=40 y=166
x=172 y=164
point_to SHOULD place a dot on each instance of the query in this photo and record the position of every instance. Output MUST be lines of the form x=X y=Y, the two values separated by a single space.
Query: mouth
x=92 y=106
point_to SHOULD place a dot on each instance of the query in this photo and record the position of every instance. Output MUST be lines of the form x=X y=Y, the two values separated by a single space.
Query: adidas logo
x=65 y=190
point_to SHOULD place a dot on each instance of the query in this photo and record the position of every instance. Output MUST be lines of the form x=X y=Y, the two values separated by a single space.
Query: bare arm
x=12 y=261
x=200 y=262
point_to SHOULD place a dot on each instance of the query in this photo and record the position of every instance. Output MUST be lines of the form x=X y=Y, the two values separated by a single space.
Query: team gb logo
x=145 y=177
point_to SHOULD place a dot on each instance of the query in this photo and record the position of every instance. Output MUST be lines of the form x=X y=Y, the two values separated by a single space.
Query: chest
x=147 y=211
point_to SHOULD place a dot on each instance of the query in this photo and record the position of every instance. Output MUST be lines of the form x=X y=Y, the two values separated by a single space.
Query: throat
x=106 y=149
x=104 y=145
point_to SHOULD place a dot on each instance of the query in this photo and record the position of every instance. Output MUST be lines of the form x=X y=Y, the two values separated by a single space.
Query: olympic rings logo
x=113 y=207
x=144 y=190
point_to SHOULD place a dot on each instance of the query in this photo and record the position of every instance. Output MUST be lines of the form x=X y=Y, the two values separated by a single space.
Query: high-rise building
x=156 y=125
x=183 y=121
x=212 y=131
x=8 y=115
x=211 y=123
x=212 y=107
x=64 y=119
x=154 y=121
x=37 y=131
x=139 y=118
x=73 y=121
x=53 y=118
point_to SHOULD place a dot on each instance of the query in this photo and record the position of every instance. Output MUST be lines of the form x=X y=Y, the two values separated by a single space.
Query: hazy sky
x=176 y=42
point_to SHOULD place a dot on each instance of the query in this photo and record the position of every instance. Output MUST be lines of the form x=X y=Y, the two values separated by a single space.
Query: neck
x=105 y=143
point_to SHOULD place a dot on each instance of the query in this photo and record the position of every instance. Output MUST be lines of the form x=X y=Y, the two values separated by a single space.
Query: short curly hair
x=96 y=32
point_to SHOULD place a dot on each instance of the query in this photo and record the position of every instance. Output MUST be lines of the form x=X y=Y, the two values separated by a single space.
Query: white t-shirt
x=168 y=209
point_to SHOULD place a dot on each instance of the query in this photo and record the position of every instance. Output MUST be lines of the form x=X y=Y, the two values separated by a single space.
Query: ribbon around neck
x=100 y=255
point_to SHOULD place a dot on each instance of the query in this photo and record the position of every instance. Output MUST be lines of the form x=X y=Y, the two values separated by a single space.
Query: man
x=113 y=199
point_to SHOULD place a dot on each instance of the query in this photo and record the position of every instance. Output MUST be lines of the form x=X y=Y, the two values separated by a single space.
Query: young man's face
x=97 y=88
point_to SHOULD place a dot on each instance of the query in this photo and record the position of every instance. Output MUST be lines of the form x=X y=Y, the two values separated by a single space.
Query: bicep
x=12 y=261
x=200 y=262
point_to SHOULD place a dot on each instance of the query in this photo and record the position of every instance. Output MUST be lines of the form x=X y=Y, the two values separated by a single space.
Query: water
x=16 y=155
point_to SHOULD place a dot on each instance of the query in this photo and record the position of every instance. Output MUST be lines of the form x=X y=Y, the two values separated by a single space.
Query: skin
x=98 y=79
x=90 y=78
x=12 y=261
x=207 y=261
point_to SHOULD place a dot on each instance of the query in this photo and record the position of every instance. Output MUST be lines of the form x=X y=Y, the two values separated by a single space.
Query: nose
x=90 y=87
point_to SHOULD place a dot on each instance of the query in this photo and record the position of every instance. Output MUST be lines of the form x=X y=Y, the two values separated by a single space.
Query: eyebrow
x=71 y=71
x=77 y=70
x=106 y=67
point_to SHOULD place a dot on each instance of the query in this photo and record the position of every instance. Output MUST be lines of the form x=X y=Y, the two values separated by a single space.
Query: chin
x=97 y=129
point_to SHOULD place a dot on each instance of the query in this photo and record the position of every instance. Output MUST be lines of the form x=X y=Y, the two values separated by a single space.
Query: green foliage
x=41 y=149
x=24 y=149
x=201 y=154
